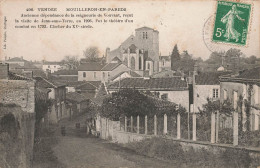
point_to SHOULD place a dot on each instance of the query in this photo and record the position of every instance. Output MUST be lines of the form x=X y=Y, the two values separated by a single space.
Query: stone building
x=140 y=52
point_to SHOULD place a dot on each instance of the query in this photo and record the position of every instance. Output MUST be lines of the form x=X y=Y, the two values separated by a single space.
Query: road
x=90 y=152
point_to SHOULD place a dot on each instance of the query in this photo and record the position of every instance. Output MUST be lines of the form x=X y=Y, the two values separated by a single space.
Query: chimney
x=4 y=70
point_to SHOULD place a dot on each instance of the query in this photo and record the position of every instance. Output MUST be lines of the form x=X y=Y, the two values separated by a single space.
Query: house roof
x=90 y=66
x=87 y=86
x=174 y=83
x=131 y=73
x=14 y=76
x=16 y=59
x=167 y=58
x=110 y=66
x=208 y=78
x=66 y=72
x=45 y=83
x=75 y=97
x=248 y=76
x=51 y=63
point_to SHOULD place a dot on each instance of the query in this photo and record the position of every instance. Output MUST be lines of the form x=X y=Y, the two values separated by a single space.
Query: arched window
x=140 y=63
x=133 y=63
x=84 y=74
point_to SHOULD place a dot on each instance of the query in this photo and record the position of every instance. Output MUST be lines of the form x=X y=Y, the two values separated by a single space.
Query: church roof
x=146 y=28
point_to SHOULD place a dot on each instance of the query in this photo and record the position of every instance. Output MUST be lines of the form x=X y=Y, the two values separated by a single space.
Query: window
x=225 y=94
x=54 y=66
x=215 y=93
x=95 y=75
x=164 y=96
x=104 y=75
x=140 y=63
x=84 y=74
x=145 y=36
x=108 y=74
x=48 y=66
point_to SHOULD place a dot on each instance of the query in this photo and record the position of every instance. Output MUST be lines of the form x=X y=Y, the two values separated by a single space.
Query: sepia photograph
x=130 y=84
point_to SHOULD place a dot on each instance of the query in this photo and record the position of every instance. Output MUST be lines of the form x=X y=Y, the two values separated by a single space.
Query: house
x=139 y=52
x=90 y=71
x=51 y=66
x=100 y=72
x=242 y=88
x=164 y=63
x=76 y=104
x=173 y=89
x=206 y=85
x=66 y=75
x=57 y=95
x=16 y=61
x=88 y=88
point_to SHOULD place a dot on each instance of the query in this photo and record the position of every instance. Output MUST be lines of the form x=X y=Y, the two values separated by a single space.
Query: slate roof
x=90 y=66
x=75 y=97
x=110 y=66
x=66 y=72
x=174 y=83
x=208 y=78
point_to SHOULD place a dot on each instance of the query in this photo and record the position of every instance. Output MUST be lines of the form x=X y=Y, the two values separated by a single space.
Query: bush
x=226 y=136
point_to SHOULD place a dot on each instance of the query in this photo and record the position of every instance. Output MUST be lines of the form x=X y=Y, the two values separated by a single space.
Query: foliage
x=41 y=108
x=175 y=56
x=91 y=54
x=226 y=108
x=173 y=151
x=247 y=103
x=71 y=62
x=249 y=138
x=225 y=136
x=131 y=102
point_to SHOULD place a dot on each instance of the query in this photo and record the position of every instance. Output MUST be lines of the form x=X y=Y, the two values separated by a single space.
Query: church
x=139 y=52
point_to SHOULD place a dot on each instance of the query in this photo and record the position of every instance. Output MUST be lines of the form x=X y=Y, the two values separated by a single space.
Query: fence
x=214 y=128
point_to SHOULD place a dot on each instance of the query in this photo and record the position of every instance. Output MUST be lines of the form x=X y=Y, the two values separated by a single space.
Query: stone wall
x=16 y=137
x=20 y=92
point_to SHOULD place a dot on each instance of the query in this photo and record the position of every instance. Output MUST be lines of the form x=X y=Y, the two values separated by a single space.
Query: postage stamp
x=231 y=22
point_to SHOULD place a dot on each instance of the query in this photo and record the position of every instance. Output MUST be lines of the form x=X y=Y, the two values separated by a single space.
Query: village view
x=131 y=107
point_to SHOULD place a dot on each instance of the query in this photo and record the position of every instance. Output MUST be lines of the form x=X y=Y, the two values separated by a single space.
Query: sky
x=178 y=22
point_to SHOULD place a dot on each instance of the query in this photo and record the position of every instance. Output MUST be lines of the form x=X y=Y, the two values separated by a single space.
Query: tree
x=175 y=56
x=71 y=62
x=91 y=54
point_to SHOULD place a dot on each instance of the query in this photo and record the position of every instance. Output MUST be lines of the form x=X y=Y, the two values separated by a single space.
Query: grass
x=166 y=149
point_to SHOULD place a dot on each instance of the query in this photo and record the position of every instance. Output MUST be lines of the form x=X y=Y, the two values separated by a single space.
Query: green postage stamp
x=232 y=22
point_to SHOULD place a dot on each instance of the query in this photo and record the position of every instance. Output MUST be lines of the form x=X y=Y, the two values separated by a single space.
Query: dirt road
x=90 y=152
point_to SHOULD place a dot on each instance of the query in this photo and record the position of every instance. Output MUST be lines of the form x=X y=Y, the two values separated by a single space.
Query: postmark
x=232 y=22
